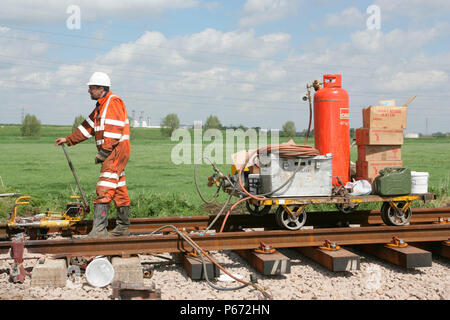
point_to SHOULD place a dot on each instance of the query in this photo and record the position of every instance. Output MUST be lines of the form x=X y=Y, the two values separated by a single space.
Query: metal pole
x=83 y=197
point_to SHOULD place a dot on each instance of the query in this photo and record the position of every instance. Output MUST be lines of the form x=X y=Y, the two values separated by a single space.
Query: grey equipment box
x=314 y=178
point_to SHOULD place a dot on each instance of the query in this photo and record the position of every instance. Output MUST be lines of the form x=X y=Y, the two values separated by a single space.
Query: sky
x=247 y=62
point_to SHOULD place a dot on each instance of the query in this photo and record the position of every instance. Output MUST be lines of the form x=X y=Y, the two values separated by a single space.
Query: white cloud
x=261 y=11
x=397 y=39
x=235 y=44
x=418 y=9
x=234 y=75
x=180 y=72
x=213 y=5
x=350 y=17
x=207 y=47
x=418 y=80
x=50 y=11
x=13 y=44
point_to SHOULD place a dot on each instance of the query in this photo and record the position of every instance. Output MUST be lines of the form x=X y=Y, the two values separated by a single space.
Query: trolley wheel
x=256 y=210
x=392 y=217
x=344 y=208
x=285 y=220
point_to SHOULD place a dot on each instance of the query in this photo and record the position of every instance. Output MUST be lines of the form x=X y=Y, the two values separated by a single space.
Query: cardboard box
x=384 y=117
x=383 y=153
x=366 y=136
x=368 y=170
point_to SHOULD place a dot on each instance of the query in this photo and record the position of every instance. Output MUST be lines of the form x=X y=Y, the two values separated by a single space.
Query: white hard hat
x=99 y=79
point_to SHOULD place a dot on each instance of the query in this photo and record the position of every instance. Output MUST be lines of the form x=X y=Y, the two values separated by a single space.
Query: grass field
x=156 y=185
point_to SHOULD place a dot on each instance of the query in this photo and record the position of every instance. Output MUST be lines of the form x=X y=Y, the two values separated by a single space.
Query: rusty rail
x=236 y=221
x=364 y=218
x=234 y=240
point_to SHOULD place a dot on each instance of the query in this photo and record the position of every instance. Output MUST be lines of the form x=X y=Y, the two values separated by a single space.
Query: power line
x=188 y=59
x=212 y=98
x=188 y=51
x=284 y=88
x=128 y=71
x=209 y=104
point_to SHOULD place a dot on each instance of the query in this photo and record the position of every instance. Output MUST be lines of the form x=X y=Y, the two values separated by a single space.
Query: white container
x=99 y=272
x=419 y=182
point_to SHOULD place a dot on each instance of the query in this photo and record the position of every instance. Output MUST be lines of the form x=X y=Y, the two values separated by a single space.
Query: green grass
x=35 y=167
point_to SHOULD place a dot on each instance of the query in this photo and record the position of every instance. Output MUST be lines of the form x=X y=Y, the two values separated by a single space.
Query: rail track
x=144 y=244
x=429 y=229
x=240 y=221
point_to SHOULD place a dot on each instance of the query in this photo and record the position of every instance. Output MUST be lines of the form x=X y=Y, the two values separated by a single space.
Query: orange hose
x=229 y=211
x=289 y=151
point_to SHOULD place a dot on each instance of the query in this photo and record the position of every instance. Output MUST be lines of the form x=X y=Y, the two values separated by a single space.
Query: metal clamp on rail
x=397 y=243
x=442 y=220
x=194 y=253
x=264 y=248
x=331 y=246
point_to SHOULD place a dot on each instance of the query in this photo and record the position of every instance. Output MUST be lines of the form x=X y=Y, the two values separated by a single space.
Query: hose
x=215 y=196
x=293 y=151
x=220 y=213
x=310 y=114
x=286 y=151
x=229 y=211
x=198 y=188
x=201 y=252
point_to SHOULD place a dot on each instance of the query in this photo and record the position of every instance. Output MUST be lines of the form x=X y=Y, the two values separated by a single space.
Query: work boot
x=122 y=222
x=100 y=221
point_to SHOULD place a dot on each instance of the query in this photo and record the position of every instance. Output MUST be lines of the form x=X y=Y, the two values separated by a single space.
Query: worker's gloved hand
x=101 y=156
x=60 y=141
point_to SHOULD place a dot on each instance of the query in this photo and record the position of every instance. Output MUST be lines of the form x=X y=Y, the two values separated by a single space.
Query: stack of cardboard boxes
x=379 y=141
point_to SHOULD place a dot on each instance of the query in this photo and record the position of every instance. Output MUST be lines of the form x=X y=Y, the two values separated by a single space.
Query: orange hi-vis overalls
x=110 y=126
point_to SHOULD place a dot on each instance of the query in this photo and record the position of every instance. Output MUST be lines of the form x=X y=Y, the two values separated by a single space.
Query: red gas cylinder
x=331 y=125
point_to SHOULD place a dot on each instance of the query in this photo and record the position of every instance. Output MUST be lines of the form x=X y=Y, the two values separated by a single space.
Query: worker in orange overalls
x=109 y=123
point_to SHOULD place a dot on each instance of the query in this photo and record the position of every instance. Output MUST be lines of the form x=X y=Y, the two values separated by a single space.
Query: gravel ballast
x=307 y=280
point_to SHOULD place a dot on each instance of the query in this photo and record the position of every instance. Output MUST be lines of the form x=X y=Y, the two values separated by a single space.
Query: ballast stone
x=128 y=270
x=52 y=273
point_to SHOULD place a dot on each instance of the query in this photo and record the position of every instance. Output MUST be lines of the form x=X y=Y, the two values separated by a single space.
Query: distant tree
x=289 y=129
x=31 y=126
x=77 y=122
x=132 y=128
x=169 y=123
x=212 y=122
x=131 y=121
x=352 y=133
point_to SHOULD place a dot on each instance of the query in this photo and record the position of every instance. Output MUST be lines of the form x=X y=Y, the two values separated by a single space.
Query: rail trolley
x=291 y=212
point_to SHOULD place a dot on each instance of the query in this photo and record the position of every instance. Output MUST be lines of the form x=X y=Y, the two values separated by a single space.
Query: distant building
x=267 y=130
x=143 y=124
x=140 y=122
x=412 y=135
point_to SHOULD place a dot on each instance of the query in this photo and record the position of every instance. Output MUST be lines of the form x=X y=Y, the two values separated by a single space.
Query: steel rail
x=234 y=240
x=237 y=221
